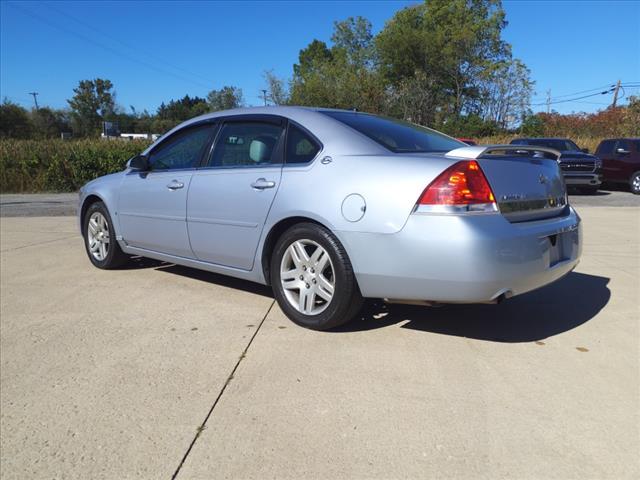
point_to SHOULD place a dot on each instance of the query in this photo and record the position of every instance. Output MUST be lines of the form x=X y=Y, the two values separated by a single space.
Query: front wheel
x=634 y=183
x=312 y=278
x=99 y=238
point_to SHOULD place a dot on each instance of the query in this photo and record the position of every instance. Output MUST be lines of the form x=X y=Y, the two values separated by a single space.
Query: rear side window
x=183 y=149
x=301 y=148
x=247 y=144
x=396 y=135
x=606 y=147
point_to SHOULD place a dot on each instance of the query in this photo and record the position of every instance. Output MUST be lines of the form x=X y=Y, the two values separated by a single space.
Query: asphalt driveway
x=159 y=370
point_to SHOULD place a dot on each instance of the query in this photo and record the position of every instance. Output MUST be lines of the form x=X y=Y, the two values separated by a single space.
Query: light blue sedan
x=332 y=206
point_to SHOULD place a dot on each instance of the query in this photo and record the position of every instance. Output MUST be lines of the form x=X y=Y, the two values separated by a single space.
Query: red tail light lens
x=461 y=184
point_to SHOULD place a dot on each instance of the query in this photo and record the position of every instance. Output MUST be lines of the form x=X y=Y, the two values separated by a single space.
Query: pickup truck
x=579 y=169
x=621 y=161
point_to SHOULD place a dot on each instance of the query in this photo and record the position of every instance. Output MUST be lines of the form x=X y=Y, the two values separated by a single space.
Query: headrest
x=260 y=149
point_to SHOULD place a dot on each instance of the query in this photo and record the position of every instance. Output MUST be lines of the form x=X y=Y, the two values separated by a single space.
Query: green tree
x=14 y=121
x=276 y=90
x=93 y=102
x=49 y=123
x=450 y=43
x=343 y=76
x=226 y=98
x=532 y=126
x=353 y=36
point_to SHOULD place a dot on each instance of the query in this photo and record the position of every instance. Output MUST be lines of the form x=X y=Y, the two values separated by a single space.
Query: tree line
x=442 y=63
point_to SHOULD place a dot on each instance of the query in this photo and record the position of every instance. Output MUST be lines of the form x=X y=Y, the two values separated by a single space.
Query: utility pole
x=35 y=98
x=615 y=94
x=264 y=96
x=549 y=101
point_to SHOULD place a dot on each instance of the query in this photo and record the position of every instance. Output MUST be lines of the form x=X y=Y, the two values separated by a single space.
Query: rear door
x=605 y=153
x=153 y=204
x=230 y=197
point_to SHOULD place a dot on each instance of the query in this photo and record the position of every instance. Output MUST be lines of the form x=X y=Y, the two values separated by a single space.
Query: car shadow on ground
x=549 y=311
x=554 y=309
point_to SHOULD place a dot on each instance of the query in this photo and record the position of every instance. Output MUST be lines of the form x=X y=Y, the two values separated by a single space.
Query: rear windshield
x=396 y=135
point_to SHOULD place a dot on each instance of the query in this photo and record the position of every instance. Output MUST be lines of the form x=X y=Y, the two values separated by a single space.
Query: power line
x=114 y=39
x=609 y=85
x=572 y=99
x=105 y=47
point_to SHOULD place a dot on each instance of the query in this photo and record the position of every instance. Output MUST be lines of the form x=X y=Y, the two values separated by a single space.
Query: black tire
x=115 y=257
x=346 y=301
x=634 y=183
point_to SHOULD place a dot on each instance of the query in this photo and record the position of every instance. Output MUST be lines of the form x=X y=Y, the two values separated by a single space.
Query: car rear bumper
x=464 y=258
x=583 y=179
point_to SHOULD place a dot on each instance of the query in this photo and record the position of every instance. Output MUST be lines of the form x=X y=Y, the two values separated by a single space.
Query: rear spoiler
x=476 y=151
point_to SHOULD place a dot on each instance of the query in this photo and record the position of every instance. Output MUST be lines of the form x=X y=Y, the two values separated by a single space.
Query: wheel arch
x=86 y=203
x=274 y=234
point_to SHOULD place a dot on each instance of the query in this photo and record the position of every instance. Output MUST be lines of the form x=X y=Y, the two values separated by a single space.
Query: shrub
x=60 y=166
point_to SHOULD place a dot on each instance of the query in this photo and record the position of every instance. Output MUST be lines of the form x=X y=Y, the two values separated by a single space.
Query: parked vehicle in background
x=621 y=161
x=580 y=169
x=330 y=206
x=468 y=141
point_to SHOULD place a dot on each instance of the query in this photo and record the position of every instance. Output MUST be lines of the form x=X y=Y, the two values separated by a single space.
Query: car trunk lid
x=527 y=182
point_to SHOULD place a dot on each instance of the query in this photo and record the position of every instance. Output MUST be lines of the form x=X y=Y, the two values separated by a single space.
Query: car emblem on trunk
x=542 y=179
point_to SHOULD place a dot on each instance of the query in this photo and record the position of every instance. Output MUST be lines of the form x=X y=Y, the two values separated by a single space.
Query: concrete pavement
x=157 y=370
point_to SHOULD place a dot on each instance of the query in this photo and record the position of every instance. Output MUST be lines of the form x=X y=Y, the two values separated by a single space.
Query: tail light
x=460 y=188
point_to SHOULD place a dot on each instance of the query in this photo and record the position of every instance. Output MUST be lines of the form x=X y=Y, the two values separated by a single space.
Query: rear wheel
x=99 y=238
x=634 y=183
x=312 y=278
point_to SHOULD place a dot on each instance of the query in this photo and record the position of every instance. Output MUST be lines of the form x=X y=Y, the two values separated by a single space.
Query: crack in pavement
x=224 y=387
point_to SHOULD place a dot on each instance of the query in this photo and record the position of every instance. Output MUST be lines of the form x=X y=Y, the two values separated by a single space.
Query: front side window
x=182 y=150
x=246 y=144
x=624 y=145
x=606 y=147
x=396 y=135
x=301 y=148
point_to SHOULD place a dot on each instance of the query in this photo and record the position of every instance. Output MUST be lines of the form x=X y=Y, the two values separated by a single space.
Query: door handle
x=262 y=183
x=175 y=185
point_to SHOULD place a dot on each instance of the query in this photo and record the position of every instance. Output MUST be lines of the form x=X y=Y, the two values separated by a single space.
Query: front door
x=230 y=198
x=152 y=206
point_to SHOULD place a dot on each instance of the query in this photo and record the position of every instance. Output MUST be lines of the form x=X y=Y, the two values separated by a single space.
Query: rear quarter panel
x=389 y=184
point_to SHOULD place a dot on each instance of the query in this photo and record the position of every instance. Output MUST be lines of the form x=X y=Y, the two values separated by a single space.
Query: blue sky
x=156 y=51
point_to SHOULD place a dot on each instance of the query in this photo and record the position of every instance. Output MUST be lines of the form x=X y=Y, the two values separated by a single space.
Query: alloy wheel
x=307 y=277
x=98 y=236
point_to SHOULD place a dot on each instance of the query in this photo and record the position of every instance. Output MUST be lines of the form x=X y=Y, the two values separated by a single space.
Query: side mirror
x=584 y=150
x=622 y=151
x=139 y=162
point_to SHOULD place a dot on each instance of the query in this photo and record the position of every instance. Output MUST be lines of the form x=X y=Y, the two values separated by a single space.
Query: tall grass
x=64 y=166
x=60 y=166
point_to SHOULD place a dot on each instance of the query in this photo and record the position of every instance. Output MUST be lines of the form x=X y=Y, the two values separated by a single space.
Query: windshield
x=396 y=135
x=556 y=143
